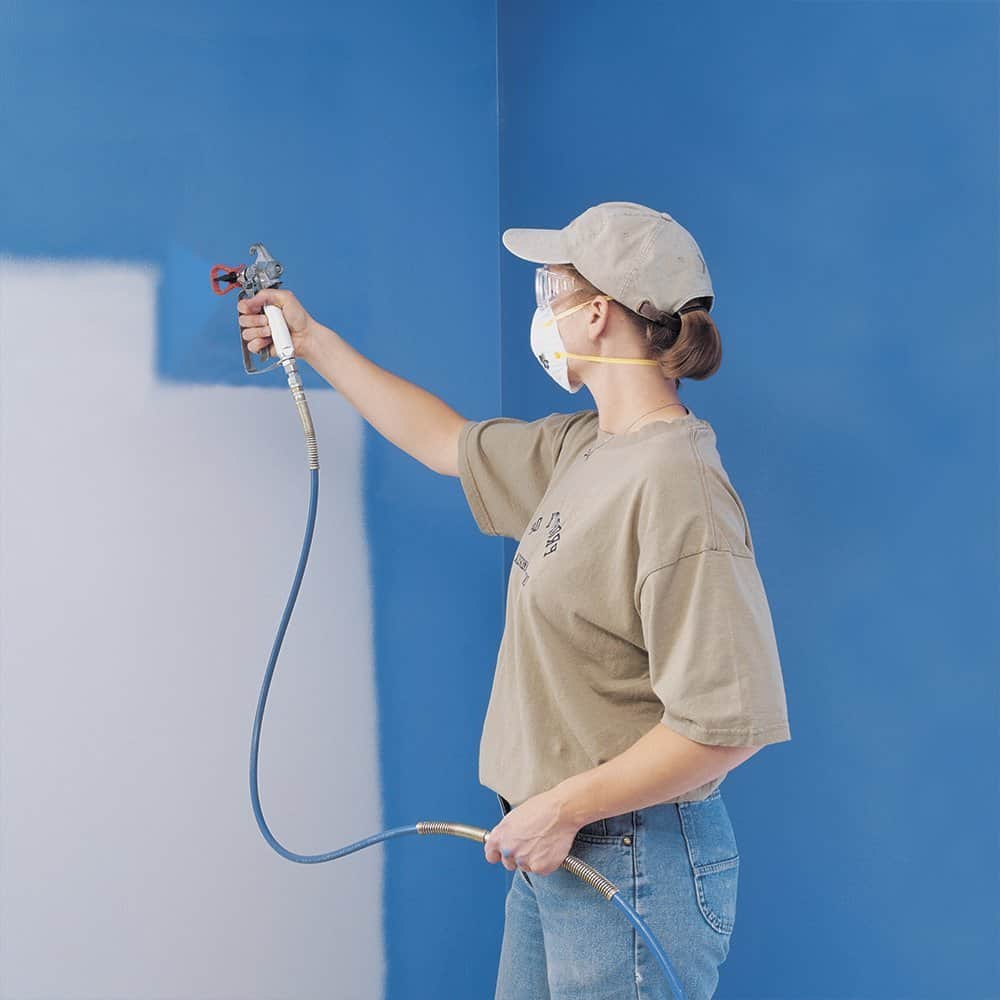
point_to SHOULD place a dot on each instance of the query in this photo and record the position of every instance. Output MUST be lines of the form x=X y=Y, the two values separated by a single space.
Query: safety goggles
x=549 y=285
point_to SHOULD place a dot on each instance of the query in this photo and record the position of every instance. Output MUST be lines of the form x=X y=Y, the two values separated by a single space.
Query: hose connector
x=298 y=394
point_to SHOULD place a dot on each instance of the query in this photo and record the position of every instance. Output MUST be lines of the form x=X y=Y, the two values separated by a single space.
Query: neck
x=624 y=399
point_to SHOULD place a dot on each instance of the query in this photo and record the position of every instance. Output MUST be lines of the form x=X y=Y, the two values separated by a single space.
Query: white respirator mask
x=546 y=342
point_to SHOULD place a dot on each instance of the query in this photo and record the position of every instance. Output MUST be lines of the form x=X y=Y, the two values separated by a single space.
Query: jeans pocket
x=714 y=857
x=597 y=833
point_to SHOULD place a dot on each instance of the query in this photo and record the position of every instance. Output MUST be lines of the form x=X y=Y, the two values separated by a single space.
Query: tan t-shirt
x=634 y=597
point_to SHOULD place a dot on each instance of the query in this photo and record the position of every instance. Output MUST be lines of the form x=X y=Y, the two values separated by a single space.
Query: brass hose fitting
x=572 y=864
x=295 y=384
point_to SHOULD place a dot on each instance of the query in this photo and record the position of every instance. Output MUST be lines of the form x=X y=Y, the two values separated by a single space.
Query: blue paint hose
x=572 y=864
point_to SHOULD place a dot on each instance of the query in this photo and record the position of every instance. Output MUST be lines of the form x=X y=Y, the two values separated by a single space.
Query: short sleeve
x=713 y=658
x=505 y=465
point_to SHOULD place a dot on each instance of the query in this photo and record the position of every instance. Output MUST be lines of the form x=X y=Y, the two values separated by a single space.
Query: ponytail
x=692 y=349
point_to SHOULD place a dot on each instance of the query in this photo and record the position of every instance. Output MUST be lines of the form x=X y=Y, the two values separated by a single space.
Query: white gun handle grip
x=279 y=332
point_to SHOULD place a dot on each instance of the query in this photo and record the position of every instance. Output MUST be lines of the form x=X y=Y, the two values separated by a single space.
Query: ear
x=598 y=315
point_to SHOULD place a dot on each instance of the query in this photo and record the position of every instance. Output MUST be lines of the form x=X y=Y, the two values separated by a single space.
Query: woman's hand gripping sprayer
x=254 y=327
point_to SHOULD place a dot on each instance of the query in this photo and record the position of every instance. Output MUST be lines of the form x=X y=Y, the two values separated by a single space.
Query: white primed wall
x=149 y=533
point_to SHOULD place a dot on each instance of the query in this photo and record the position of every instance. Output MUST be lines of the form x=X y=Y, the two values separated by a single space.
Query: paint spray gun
x=265 y=272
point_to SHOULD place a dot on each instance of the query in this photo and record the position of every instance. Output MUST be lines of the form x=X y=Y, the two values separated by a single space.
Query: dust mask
x=548 y=347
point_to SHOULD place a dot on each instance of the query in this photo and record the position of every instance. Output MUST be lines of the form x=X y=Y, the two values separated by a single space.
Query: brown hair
x=695 y=351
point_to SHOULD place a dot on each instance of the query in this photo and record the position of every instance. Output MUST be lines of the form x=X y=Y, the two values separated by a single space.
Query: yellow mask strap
x=597 y=357
x=569 y=312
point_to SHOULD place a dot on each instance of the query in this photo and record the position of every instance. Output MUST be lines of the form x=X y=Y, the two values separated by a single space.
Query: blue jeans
x=677 y=866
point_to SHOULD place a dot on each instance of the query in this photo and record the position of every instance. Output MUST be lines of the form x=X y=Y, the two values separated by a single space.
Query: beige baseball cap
x=642 y=258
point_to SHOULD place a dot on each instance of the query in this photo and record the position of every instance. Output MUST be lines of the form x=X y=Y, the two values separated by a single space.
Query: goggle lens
x=549 y=285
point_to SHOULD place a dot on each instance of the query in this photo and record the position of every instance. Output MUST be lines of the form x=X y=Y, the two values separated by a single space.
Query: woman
x=638 y=663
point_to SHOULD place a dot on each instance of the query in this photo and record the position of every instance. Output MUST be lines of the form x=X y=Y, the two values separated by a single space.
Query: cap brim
x=543 y=246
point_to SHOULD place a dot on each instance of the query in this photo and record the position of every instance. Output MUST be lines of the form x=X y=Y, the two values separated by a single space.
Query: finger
x=257 y=345
x=257 y=333
x=267 y=297
x=253 y=304
x=250 y=320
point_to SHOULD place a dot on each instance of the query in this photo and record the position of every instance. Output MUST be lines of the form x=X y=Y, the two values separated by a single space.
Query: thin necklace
x=590 y=451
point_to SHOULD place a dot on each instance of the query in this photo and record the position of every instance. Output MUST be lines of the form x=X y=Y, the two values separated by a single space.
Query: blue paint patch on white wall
x=198 y=335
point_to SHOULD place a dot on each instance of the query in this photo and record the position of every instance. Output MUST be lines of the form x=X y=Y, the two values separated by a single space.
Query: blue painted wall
x=837 y=163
